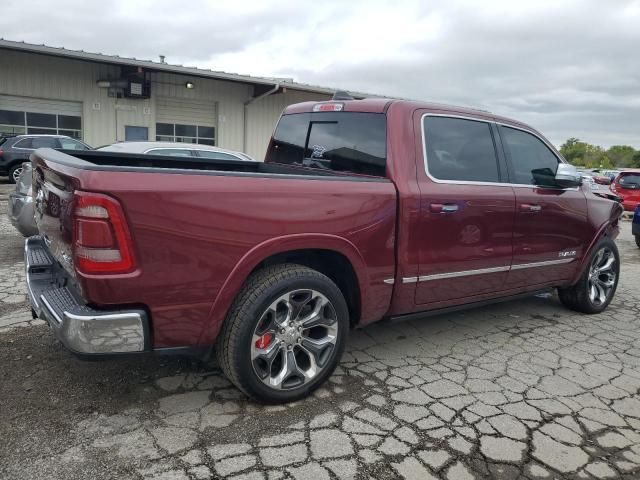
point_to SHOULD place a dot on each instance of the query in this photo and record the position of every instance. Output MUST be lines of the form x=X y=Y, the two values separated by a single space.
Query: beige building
x=102 y=99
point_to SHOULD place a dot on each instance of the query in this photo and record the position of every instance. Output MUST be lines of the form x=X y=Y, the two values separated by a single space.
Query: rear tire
x=284 y=335
x=638 y=240
x=597 y=285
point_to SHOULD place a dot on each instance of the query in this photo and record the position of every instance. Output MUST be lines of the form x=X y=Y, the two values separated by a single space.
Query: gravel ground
x=524 y=389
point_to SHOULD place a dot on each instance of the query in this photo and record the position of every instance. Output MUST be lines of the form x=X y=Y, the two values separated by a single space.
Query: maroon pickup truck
x=363 y=210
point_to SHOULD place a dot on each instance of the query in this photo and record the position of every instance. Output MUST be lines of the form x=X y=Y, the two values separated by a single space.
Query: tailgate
x=53 y=187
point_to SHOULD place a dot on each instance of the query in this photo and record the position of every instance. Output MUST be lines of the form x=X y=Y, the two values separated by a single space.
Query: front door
x=550 y=223
x=467 y=211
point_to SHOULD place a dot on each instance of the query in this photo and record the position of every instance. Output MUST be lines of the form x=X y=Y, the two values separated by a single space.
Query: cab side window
x=533 y=162
x=460 y=150
x=171 y=152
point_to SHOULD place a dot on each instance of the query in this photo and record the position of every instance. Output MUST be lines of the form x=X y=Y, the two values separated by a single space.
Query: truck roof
x=381 y=105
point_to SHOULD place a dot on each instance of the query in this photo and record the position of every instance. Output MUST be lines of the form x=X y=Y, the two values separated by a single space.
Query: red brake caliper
x=264 y=340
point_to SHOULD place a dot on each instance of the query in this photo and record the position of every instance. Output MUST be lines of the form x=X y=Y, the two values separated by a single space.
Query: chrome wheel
x=602 y=276
x=294 y=339
x=15 y=175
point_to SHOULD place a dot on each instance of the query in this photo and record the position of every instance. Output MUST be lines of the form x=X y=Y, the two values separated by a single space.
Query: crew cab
x=363 y=210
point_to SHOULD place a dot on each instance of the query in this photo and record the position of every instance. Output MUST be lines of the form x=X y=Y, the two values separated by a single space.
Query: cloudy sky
x=569 y=67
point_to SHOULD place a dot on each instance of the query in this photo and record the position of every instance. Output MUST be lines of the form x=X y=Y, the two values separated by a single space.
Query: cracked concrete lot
x=520 y=390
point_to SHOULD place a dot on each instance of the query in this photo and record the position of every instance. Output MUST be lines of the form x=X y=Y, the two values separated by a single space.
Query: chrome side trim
x=522 y=266
x=389 y=281
x=481 y=271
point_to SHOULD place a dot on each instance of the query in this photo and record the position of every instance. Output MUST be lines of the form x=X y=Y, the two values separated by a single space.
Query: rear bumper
x=20 y=210
x=84 y=330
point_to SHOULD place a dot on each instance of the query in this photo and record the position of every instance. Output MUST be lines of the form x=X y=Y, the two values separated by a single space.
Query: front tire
x=638 y=240
x=14 y=173
x=284 y=334
x=597 y=285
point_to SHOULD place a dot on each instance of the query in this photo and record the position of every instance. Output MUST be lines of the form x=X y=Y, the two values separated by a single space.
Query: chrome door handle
x=527 y=207
x=443 y=207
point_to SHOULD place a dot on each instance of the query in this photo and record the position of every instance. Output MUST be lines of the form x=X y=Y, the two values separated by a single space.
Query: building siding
x=104 y=117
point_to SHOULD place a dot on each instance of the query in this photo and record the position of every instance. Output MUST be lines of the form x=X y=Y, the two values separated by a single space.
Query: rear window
x=629 y=180
x=340 y=141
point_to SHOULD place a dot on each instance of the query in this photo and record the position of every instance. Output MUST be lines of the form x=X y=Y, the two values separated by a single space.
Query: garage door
x=189 y=121
x=37 y=115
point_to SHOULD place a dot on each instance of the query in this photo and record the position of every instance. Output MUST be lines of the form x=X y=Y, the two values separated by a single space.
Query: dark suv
x=15 y=149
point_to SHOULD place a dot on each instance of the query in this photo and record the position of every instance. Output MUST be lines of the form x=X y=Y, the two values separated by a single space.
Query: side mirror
x=567 y=176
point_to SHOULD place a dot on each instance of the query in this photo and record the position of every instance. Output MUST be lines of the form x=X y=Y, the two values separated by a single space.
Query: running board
x=466 y=306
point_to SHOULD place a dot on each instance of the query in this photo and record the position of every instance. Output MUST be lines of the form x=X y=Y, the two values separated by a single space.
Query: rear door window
x=533 y=162
x=458 y=149
x=340 y=141
x=32 y=143
x=630 y=180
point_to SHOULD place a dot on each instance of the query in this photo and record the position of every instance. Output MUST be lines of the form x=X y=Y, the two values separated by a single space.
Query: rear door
x=550 y=223
x=466 y=212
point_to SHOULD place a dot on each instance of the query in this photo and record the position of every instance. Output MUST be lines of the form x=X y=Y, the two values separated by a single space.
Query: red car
x=627 y=186
x=363 y=210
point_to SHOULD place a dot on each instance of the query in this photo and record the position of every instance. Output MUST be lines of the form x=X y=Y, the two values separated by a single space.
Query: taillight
x=102 y=243
x=1 y=152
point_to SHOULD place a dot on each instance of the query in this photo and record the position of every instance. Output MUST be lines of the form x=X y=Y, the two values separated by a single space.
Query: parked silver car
x=176 y=149
x=21 y=204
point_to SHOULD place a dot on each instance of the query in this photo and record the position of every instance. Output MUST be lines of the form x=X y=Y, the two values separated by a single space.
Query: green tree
x=621 y=155
x=583 y=154
x=574 y=151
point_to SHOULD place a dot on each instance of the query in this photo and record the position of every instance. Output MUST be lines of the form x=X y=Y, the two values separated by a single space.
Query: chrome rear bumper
x=82 y=329
x=20 y=210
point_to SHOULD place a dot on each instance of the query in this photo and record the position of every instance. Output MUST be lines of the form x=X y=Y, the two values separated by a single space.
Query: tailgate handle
x=443 y=207
x=530 y=208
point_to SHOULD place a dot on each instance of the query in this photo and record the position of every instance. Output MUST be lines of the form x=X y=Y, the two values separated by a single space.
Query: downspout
x=275 y=88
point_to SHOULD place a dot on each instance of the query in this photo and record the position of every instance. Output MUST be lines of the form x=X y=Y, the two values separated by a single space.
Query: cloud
x=568 y=68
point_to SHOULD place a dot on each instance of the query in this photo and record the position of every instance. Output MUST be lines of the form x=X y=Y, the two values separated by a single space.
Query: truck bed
x=131 y=162
x=200 y=228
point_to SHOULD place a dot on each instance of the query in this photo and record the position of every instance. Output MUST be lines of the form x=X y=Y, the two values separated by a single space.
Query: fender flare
x=604 y=230
x=273 y=246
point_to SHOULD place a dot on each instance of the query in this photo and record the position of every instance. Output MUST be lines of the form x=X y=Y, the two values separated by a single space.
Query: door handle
x=443 y=207
x=530 y=208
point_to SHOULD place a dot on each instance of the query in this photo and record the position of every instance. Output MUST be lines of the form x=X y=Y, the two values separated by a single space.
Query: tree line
x=583 y=154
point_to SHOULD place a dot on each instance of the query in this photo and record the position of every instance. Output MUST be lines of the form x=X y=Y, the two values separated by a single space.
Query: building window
x=175 y=132
x=40 y=123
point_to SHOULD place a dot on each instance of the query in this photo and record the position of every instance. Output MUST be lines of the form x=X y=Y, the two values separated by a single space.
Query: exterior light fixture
x=189 y=85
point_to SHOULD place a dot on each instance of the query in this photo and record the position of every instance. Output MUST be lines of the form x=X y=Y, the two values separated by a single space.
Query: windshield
x=340 y=141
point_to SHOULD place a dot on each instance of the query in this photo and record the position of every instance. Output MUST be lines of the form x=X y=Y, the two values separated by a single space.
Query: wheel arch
x=317 y=251
x=608 y=229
